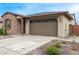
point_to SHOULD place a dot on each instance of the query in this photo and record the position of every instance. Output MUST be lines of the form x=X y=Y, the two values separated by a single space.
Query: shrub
x=73 y=46
x=73 y=41
x=2 y=32
x=53 y=51
x=63 y=42
x=57 y=44
x=74 y=35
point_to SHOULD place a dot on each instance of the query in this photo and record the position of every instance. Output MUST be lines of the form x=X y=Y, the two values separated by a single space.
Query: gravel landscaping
x=65 y=49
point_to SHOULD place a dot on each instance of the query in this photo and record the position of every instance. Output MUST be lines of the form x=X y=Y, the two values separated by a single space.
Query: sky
x=32 y=8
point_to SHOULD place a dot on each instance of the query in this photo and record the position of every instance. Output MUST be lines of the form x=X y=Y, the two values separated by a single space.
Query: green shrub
x=73 y=41
x=63 y=42
x=57 y=44
x=53 y=51
x=2 y=32
x=74 y=45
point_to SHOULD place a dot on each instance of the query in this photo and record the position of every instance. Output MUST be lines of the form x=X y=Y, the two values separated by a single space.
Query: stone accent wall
x=15 y=24
x=1 y=24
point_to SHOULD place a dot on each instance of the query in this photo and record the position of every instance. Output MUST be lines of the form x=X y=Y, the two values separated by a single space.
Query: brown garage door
x=44 y=27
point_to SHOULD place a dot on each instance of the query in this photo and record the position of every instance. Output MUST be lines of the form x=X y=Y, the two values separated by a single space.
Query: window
x=8 y=24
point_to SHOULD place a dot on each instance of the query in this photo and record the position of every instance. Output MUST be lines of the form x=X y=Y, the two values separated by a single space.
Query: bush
x=53 y=51
x=74 y=45
x=57 y=44
x=2 y=32
x=63 y=42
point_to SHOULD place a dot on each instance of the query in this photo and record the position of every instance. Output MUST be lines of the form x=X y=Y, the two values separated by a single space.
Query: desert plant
x=57 y=44
x=73 y=46
x=63 y=42
x=73 y=41
x=74 y=35
x=53 y=50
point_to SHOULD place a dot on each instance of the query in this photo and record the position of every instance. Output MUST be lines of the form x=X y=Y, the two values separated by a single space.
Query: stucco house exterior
x=46 y=23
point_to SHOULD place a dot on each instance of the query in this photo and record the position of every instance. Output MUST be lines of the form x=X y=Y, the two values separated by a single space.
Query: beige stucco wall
x=27 y=28
x=63 y=26
x=60 y=27
x=15 y=28
x=66 y=23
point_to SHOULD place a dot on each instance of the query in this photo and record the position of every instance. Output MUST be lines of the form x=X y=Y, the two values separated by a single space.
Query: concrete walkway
x=19 y=45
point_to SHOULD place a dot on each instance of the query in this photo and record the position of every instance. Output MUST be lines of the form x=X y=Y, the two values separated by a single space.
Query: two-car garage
x=45 y=27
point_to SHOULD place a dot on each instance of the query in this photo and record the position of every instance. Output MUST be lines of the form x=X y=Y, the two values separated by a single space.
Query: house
x=47 y=23
x=1 y=22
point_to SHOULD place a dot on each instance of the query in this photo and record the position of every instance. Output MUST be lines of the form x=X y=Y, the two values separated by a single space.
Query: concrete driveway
x=19 y=45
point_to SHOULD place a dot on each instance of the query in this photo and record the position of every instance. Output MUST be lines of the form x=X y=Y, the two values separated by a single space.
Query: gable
x=8 y=16
x=14 y=14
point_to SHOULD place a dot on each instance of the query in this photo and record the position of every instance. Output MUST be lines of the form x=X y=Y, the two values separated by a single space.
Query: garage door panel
x=44 y=28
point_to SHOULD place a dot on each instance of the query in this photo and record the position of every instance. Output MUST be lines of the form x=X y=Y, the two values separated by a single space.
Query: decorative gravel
x=64 y=50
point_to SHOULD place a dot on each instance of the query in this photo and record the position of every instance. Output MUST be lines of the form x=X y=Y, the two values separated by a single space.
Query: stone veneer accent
x=15 y=24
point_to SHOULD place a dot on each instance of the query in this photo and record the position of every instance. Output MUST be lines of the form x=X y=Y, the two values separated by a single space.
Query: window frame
x=8 y=24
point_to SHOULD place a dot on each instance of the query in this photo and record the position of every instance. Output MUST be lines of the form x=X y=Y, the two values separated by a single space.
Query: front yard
x=38 y=45
x=64 y=48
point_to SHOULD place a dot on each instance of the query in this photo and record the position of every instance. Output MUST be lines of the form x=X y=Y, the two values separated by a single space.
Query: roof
x=42 y=13
x=52 y=13
x=12 y=14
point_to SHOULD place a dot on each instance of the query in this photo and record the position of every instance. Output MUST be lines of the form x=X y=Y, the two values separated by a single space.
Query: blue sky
x=31 y=8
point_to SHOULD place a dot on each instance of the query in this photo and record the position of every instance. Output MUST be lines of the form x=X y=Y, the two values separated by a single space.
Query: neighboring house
x=46 y=23
x=1 y=22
